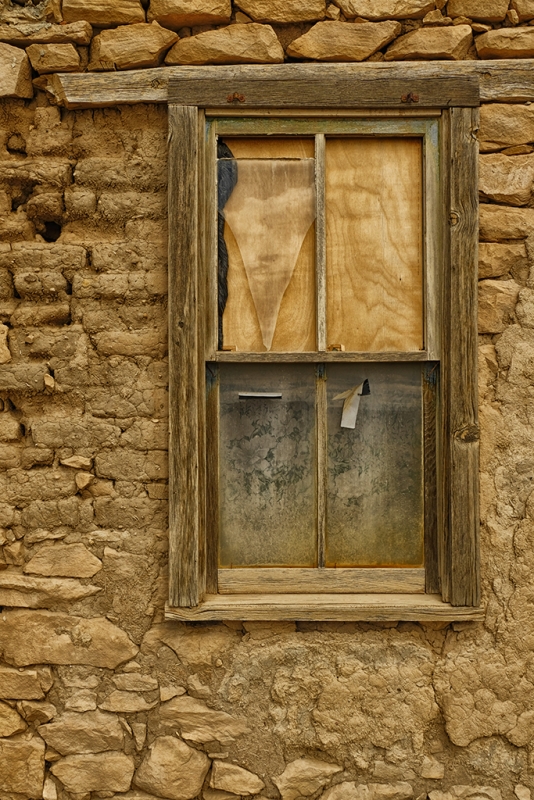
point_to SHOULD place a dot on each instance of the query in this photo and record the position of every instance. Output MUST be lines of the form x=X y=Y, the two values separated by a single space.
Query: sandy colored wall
x=99 y=696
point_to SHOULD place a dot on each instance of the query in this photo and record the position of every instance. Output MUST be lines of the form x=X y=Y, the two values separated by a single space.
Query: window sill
x=326 y=607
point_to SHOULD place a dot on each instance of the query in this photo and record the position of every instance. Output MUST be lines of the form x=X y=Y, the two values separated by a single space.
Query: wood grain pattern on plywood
x=374 y=248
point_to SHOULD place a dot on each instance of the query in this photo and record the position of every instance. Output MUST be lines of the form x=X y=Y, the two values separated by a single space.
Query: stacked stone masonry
x=40 y=38
x=99 y=697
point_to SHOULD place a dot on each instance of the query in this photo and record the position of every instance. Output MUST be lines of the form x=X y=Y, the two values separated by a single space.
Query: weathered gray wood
x=444 y=539
x=320 y=241
x=185 y=507
x=329 y=355
x=212 y=476
x=430 y=396
x=502 y=81
x=321 y=411
x=333 y=90
x=328 y=607
x=310 y=125
x=463 y=445
x=209 y=239
x=310 y=581
x=433 y=212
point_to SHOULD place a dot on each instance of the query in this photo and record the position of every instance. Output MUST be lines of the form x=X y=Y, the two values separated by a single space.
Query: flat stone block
x=37 y=637
x=103 y=13
x=15 y=72
x=46 y=58
x=450 y=44
x=506 y=43
x=22 y=766
x=480 y=10
x=237 y=44
x=178 y=14
x=46 y=33
x=340 y=41
x=385 y=9
x=131 y=47
x=283 y=10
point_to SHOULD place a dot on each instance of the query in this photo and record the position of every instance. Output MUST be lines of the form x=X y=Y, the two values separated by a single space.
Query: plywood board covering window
x=374 y=243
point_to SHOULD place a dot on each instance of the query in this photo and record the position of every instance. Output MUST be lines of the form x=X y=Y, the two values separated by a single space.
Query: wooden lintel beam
x=503 y=81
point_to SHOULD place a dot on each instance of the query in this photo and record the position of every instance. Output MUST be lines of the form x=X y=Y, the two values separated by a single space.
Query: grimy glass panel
x=266 y=248
x=375 y=465
x=266 y=472
x=374 y=243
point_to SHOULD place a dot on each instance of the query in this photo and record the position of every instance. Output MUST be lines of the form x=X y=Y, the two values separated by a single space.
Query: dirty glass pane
x=375 y=472
x=266 y=472
x=266 y=252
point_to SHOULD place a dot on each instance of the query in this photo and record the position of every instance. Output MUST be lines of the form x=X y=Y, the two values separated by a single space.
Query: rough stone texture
x=303 y=777
x=5 y=353
x=495 y=260
x=10 y=721
x=385 y=9
x=36 y=637
x=236 y=44
x=90 y=732
x=46 y=58
x=503 y=125
x=283 y=10
x=178 y=14
x=337 y=41
x=501 y=222
x=506 y=43
x=132 y=682
x=36 y=712
x=126 y=703
x=350 y=790
x=15 y=72
x=64 y=560
x=524 y=9
x=172 y=769
x=21 y=684
x=482 y=10
x=46 y=33
x=22 y=767
x=231 y=778
x=103 y=13
x=24 y=591
x=450 y=44
x=496 y=304
x=385 y=702
x=100 y=772
x=198 y=723
x=506 y=179
x=131 y=47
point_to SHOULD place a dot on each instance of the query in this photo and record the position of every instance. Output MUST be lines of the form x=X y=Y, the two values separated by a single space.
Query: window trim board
x=456 y=562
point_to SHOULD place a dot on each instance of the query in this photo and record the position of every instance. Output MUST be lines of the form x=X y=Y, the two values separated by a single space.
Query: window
x=322 y=347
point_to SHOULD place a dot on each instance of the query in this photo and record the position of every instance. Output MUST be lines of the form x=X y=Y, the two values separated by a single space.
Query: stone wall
x=99 y=696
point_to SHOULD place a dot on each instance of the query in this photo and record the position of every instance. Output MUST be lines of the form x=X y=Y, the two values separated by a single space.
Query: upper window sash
x=427 y=130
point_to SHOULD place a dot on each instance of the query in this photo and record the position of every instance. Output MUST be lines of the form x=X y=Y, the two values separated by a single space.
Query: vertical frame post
x=187 y=574
x=462 y=447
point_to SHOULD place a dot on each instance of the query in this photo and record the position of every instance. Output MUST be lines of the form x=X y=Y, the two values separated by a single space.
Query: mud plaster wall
x=100 y=697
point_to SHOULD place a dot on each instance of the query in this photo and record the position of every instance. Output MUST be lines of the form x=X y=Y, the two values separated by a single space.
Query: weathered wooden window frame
x=452 y=559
